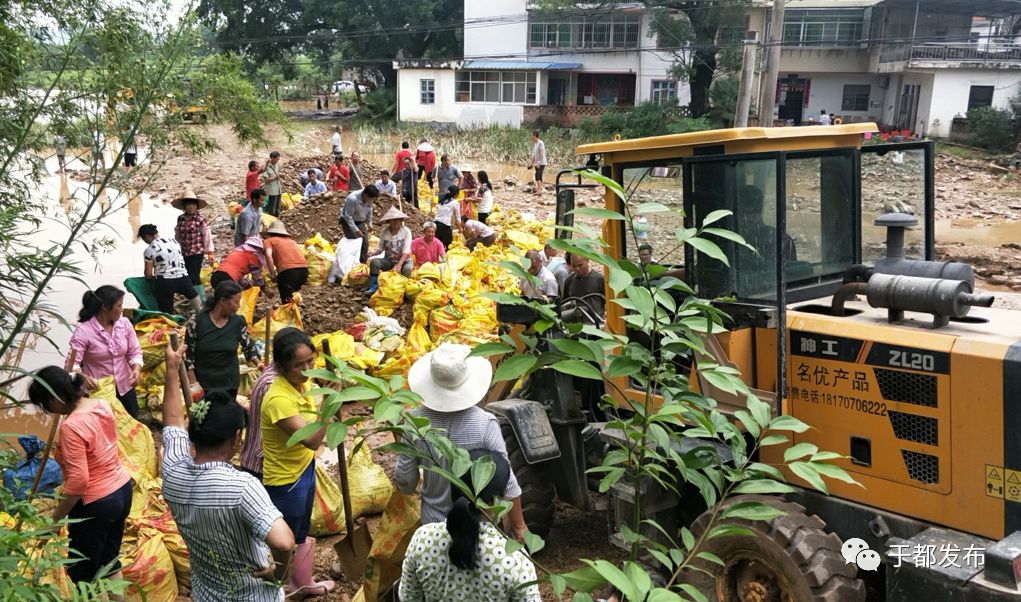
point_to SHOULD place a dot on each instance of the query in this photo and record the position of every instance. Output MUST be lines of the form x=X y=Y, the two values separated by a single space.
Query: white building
x=908 y=64
x=520 y=64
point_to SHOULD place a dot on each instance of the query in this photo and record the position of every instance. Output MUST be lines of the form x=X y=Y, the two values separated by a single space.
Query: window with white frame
x=427 y=91
x=617 y=30
x=855 y=97
x=664 y=92
x=812 y=27
x=507 y=87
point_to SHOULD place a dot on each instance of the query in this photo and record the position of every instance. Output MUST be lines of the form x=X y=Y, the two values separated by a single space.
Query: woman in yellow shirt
x=289 y=472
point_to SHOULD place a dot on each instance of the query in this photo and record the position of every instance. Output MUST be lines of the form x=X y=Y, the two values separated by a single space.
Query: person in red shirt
x=247 y=258
x=425 y=157
x=400 y=156
x=339 y=174
x=427 y=248
x=251 y=179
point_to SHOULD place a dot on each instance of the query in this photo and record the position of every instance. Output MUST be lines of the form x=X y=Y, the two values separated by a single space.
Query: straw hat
x=448 y=380
x=467 y=168
x=393 y=213
x=278 y=227
x=189 y=195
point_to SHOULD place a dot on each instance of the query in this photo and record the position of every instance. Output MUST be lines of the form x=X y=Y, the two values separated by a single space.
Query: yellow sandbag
x=428 y=300
x=249 y=297
x=370 y=487
x=418 y=339
x=249 y=374
x=390 y=294
x=443 y=320
x=283 y=316
x=342 y=346
x=389 y=545
x=328 y=508
x=523 y=240
x=267 y=220
x=396 y=366
x=148 y=567
x=319 y=265
x=413 y=287
x=358 y=276
x=134 y=441
x=428 y=271
x=365 y=357
x=153 y=335
x=319 y=243
x=205 y=274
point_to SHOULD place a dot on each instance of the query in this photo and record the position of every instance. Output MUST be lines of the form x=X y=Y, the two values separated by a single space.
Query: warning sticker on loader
x=1012 y=485
x=994 y=481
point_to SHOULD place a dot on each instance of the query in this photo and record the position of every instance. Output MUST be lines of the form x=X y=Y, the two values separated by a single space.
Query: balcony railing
x=958 y=53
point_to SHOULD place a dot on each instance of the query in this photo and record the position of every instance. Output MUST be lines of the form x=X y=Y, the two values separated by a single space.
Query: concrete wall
x=491 y=40
x=950 y=90
x=445 y=110
x=824 y=60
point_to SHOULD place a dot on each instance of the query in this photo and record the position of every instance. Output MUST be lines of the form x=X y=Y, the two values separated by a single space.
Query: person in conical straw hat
x=394 y=252
x=193 y=234
x=285 y=260
x=451 y=385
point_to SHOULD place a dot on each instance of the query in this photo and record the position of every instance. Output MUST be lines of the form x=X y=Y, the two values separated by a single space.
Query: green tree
x=370 y=35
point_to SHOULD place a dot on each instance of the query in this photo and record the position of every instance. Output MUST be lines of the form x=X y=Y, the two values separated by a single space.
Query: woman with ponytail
x=97 y=489
x=104 y=344
x=465 y=557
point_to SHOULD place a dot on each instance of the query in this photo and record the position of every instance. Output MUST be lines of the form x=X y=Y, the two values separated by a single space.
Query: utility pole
x=744 y=91
x=767 y=102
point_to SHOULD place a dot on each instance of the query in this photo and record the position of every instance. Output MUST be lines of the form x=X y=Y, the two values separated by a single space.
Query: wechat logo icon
x=855 y=551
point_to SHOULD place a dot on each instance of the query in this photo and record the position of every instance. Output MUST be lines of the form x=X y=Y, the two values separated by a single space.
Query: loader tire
x=538 y=496
x=791 y=558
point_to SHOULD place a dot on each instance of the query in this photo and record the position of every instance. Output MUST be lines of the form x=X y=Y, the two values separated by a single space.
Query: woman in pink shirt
x=104 y=344
x=427 y=248
x=97 y=489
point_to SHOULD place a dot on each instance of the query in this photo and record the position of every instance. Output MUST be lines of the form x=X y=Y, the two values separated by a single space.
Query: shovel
x=353 y=548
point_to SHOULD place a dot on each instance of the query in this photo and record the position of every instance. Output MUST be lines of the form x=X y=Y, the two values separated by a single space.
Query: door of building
x=556 y=93
x=792 y=92
x=908 y=110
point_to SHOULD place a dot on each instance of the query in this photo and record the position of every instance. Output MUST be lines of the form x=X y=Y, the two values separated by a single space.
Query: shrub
x=640 y=121
x=378 y=107
x=992 y=128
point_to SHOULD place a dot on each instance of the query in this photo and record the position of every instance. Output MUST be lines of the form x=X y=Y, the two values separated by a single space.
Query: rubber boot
x=301 y=584
x=373 y=285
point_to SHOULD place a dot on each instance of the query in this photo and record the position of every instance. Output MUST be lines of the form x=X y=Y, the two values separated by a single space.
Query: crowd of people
x=247 y=527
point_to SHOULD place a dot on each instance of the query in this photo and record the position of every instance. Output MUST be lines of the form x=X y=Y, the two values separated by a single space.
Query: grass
x=964 y=152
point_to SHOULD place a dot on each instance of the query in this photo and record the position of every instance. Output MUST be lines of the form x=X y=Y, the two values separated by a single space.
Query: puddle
x=986 y=233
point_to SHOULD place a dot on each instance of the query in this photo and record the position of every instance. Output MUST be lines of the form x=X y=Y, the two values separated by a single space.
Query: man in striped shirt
x=227 y=520
x=451 y=384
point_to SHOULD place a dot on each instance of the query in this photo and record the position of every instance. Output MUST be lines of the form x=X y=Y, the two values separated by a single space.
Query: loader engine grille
x=911 y=427
x=921 y=467
x=908 y=387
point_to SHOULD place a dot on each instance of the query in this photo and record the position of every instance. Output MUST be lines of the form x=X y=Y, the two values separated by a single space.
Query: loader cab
x=805 y=199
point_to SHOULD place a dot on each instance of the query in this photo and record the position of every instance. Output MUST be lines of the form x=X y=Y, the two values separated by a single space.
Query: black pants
x=445 y=233
x=483 y=217
x=129 y=159
x=273 y=205
x=95 y=536
x=130 y=402
x=193 y=263
x=428 y=176
x=217 y=277
x=289 y=281
x=363 y=255
x=166 y=288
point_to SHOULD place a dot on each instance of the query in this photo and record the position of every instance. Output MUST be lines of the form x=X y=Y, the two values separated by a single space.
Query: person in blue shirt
x=314 y=186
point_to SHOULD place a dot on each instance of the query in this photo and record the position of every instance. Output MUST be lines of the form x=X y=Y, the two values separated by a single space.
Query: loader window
x=748 y=189
x=662 y=184
x=892 y=181
x=820 y=215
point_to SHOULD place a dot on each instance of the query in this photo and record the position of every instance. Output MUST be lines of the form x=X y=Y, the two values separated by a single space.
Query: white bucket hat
x=450 y=381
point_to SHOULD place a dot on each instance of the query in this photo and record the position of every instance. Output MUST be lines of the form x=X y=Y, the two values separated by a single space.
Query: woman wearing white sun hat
x=451 y=384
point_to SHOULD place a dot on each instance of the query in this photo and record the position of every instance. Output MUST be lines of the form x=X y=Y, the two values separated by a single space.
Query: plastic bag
x=205 y=274
x=19 y=479
x=390 y=294
x=319 y=243
x=428 y=300
x=319 y=265
x=427 y=271
x=267 y=220
x=148 y=567
x=419 y=342
x=283 y=316
x=328 y=508
x=389 y=545
x=153 y=335
x=370 y=318
x=345 y=258
x=249 y=297
x=370 y=487
x=135 y=444
x=523 y=240
x=358 y=276
x=443 y=320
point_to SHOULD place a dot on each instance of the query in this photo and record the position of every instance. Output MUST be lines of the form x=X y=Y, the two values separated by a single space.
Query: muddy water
x=986 y=233
x=128 y=210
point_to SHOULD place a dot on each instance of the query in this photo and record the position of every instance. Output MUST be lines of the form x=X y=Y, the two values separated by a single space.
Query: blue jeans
x=294 y=501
